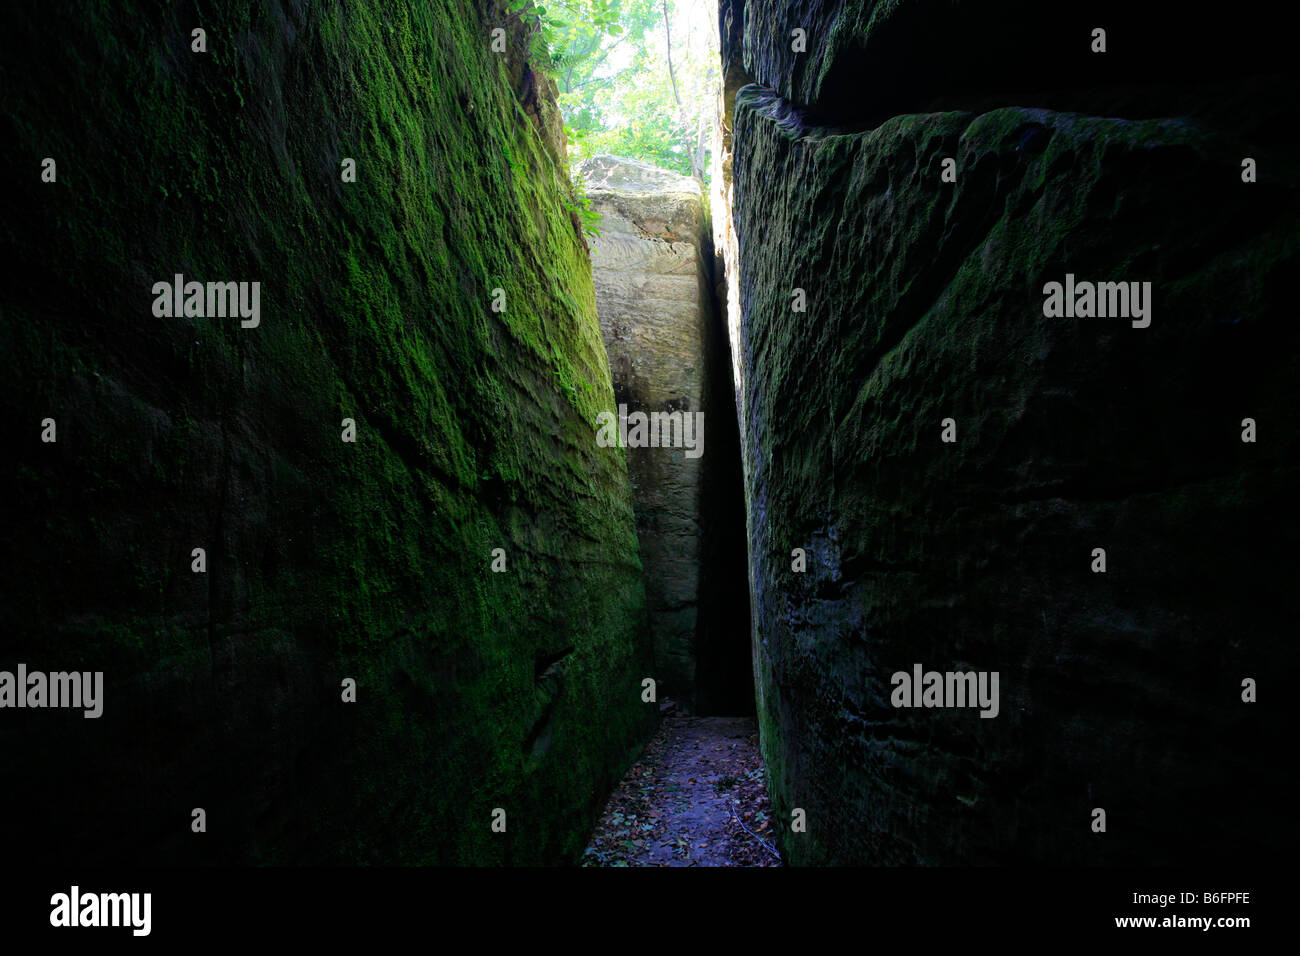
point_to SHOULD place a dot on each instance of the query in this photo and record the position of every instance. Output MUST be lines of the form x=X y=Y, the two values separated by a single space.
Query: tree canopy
x=637 y=78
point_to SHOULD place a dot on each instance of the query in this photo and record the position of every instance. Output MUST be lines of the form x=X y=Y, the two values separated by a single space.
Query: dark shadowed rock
x=326 y=560
x=871 y=59
x=925 y=302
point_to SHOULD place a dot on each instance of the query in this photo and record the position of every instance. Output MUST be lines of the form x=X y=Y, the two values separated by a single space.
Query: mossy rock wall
x=325 y=560
x=1121 y=690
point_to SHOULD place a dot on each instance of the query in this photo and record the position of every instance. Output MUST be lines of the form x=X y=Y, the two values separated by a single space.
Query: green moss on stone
x=367 y=560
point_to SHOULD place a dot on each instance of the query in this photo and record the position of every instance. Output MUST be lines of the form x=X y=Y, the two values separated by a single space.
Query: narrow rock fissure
x=697 y=796
x=652 y=262
x=525 y=509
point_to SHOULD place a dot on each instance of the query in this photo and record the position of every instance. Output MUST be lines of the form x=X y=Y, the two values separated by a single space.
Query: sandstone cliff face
x=325 y=560
x=1118 y=690
x=652 y=268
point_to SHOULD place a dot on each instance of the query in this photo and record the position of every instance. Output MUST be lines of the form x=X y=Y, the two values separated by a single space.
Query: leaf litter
x=696 y=797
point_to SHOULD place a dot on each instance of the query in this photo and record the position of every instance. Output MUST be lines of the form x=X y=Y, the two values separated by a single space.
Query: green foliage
x=542 y=36
x=581 y=205
x=610 y=60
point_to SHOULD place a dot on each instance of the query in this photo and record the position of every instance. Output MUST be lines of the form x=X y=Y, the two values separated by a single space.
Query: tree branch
x=681 y=111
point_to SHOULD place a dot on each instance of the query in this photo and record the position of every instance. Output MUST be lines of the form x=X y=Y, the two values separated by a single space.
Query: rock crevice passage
x=365 y=587
x=652 y=263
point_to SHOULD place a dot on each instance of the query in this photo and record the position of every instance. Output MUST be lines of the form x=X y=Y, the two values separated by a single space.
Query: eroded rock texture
x=925 y=299
x=325 y=560
x=651 y=263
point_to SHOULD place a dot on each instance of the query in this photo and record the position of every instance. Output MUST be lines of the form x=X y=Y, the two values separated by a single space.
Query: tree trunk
x=681 y=112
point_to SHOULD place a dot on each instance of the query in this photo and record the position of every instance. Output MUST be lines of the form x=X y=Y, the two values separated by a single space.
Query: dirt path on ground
x=697 y=797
